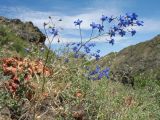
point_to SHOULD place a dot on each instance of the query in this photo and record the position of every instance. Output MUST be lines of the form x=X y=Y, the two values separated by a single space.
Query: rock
x=124 y=76
x=16 y=21
x=25 y=30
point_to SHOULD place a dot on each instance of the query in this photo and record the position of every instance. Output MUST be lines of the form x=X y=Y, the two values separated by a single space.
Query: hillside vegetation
x=140 y=60
x=15 y=36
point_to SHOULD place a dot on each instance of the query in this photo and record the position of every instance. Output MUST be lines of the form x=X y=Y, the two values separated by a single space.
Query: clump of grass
x=10 y=41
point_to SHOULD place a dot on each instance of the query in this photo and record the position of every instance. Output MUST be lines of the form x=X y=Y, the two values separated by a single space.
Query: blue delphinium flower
x=67 y=45
x=100 y=27
x=91 y=44
x=103 y=73
x=95 y=71
x=103 y=18
x=126 y=21
x=133 y=32
x=78 y=44
x=122 y=23
x=54 y=32
x=97 y=56
x=98 y=74
x=74 y=49
x=121 y=18
x=78 y=22
x=139 y=23
x=111 y=41
x=98 y=51
x=97 y=68
x=87 y=49
x=112 y=33
x=110 y=19
x=106 y=72
x=115 y=28
x=129 y=22
x=122 y=33
x=132 y=16
x=92 y=73
x=93 y=25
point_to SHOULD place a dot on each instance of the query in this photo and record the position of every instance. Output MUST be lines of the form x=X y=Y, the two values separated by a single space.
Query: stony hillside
x=15 y=35
x=136 y=59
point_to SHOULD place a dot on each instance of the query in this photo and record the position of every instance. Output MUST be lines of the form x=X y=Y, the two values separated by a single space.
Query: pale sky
x=38 y=11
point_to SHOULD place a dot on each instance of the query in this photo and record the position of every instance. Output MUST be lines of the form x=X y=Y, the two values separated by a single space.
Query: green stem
x=80 y=34
x=91 y=38
x=46 y=59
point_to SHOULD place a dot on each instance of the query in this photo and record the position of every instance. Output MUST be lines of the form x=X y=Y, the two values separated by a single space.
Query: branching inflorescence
x=120 y=26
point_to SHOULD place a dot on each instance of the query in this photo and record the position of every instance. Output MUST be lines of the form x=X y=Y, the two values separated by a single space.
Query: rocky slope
x=16 y=35
x=27 y=31
x=136 y=59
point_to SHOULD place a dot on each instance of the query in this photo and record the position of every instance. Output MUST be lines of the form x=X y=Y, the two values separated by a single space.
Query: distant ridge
x=137 y=59
x=25 y=30
x=16 y=35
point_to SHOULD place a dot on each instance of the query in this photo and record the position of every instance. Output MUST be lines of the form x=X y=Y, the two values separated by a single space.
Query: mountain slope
x=136 y=59
x=16 y=35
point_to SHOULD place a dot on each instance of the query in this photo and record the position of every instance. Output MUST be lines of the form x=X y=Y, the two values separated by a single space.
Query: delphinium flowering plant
x=119 y=26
